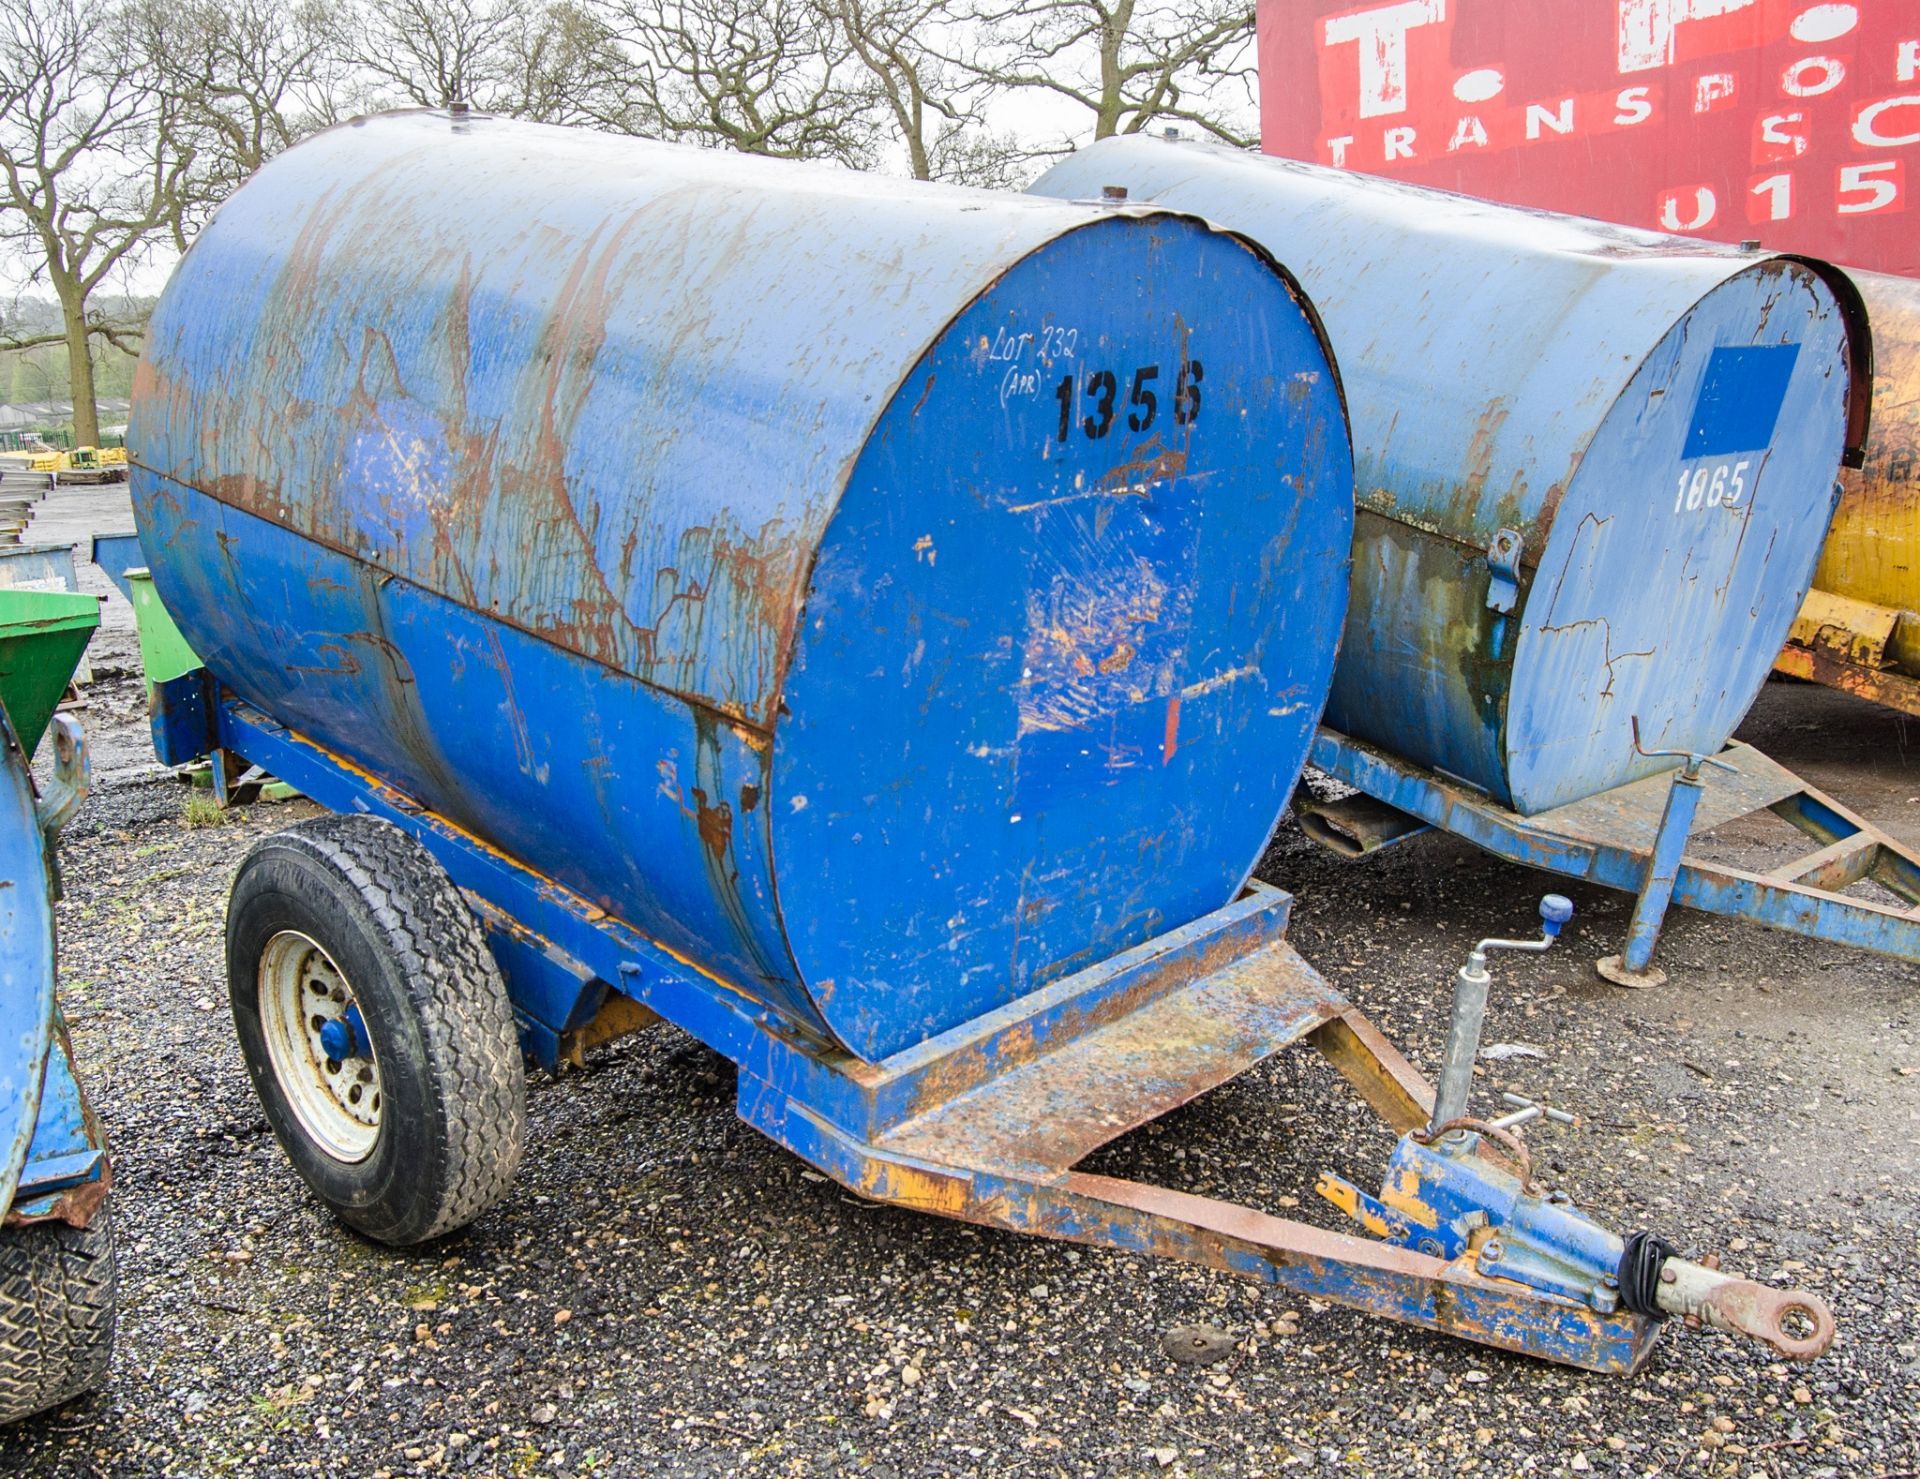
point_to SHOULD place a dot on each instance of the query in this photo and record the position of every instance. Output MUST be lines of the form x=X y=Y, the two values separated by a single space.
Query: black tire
x=451 y=1106
x=56 y=1313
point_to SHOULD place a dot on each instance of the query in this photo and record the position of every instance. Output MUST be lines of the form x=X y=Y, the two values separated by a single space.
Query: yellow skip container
x=1860 y=627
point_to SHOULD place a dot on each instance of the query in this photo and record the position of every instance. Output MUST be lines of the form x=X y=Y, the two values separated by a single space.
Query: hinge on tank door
x=1503 y=562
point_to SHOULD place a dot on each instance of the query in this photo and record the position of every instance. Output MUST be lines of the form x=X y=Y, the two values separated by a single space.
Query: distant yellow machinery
x=1860 y=627
x=83 y=465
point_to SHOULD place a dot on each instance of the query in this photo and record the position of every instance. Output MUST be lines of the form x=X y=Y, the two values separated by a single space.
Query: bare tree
x=92 y=170
x=934 y=105
x=761 y=76
x=249 y=77
x=518 y=57
x=1128 y=63
x=566 y=65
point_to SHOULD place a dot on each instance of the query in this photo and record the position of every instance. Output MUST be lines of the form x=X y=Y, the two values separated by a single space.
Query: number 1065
x=1722 y=485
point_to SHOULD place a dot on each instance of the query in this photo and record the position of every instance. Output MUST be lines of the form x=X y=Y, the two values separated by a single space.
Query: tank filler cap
x=1555 y=910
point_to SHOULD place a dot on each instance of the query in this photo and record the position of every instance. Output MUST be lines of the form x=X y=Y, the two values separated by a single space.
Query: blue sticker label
x=1740 y=399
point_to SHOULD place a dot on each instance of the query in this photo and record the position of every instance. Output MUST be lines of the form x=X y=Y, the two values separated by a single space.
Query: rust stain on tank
x=714 y=823
x=1081 y=643
x=1151 y=462
x=1481 y=449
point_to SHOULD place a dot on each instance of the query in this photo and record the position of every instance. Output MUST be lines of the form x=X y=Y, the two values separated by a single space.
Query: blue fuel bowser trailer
x=872 y=626
x=1594 y=469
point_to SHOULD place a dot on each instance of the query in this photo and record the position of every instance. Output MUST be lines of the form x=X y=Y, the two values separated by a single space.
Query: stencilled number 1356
x=1099 y=394
x=1721 y=485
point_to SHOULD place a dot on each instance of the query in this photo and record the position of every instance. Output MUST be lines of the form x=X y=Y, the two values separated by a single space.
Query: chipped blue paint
x=48 y=1145
x=708 y=533
x=1440 y=1196
x=66 y=1151
x=26 y=962
x=1660 y=420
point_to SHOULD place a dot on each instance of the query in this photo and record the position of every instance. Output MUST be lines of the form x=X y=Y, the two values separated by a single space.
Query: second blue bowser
x=1594 y=466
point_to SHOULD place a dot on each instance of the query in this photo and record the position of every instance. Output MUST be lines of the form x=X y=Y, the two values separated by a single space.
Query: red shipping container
x=1785 y=121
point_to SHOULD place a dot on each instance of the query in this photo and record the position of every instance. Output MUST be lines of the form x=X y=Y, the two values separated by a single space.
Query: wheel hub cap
x=317 y=1041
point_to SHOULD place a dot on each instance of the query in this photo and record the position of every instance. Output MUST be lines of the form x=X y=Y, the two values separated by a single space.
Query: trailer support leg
x=1634 y=967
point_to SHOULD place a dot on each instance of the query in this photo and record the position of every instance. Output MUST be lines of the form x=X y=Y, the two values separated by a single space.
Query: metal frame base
x=1633 y=838
x=988 y=1121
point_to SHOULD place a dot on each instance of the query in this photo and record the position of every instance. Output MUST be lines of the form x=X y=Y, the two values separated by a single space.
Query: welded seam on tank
x=704 y=704
x=1860 y=352
x=1303 y=300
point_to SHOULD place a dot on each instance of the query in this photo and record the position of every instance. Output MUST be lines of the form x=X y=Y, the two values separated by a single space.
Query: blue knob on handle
x=1555 y=910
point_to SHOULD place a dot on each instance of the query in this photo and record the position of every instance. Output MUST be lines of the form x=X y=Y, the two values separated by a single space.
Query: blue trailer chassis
x=53 y=1160
x=1635 y=838
x=987 y=1122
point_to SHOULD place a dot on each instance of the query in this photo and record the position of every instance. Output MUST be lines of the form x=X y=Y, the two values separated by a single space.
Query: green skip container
x=42 y=634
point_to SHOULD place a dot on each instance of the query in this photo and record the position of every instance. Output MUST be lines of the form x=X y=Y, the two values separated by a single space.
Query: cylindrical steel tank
x=1593 y=466
x=1872 y=554
x=888 y=597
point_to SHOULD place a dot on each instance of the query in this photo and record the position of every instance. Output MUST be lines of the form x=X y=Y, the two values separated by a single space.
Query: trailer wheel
x=56 y=1313
x=376 y=1027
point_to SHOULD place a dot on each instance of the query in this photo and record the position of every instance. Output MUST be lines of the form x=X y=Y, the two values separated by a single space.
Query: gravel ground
x=669 y=1293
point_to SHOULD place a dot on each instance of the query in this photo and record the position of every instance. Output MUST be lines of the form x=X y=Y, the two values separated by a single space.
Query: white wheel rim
x=337 y=1101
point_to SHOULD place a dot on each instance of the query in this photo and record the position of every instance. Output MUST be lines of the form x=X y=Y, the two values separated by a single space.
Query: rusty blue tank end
x=1594 y=465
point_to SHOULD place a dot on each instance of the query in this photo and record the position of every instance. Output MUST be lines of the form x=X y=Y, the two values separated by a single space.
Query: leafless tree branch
x=94 y=169
x=1127 y=63
x=774 y=77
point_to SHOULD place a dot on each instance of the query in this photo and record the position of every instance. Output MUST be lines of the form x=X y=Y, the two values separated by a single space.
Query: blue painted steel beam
x=68 y=1152
x=1709 y=888
x=26 y=962
x=116 y=554
x=1663 y=871
x=1411 y=1288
